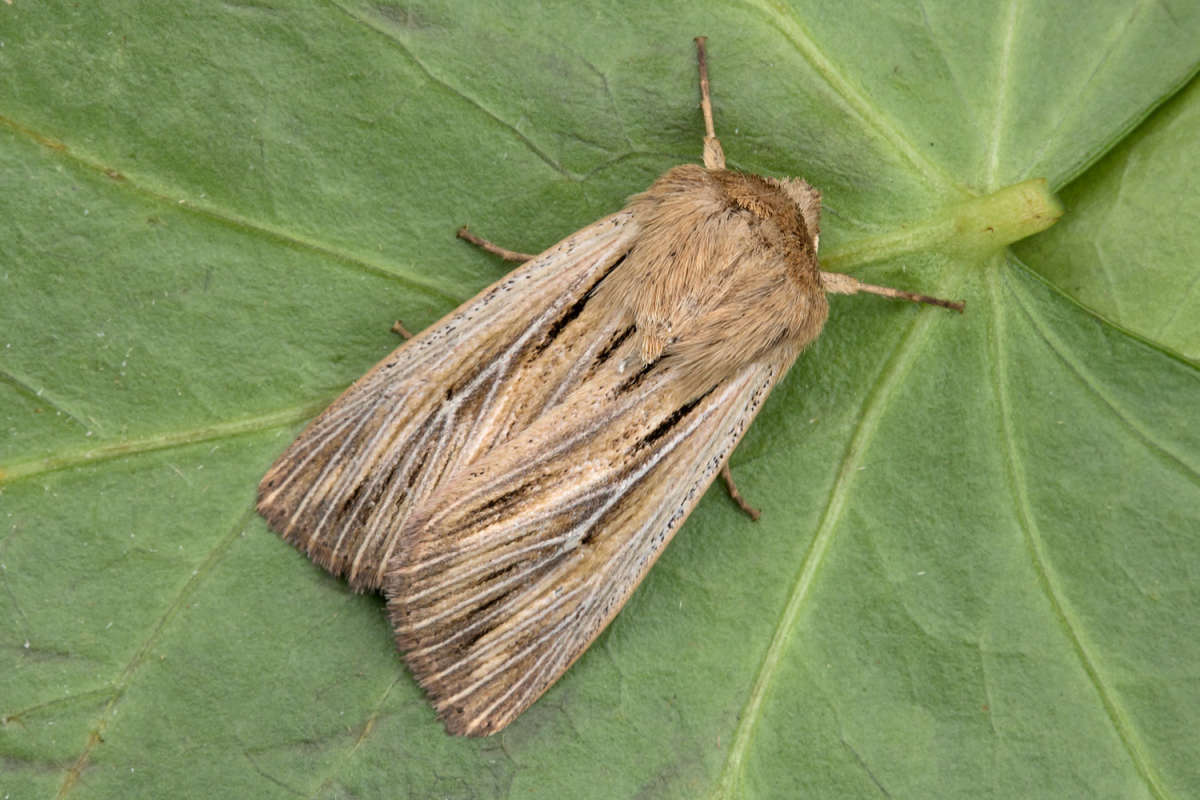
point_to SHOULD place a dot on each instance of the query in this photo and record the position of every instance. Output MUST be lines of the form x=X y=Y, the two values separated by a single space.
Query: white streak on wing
x=505 y=531
x=379 y=518
x=618 y=491
x=535 y=644
x=491 y=487
x=498 y=561
x=499 y=610
x=350 y=476
x=351 y=471
x=488 y=533
x=527 y=623
x=338 y=489
x=582 y=363
x=312 y=448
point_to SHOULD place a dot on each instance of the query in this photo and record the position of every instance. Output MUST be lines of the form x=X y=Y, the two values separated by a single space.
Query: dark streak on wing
x=612 y=346
x=667 y=424
x=636 y=378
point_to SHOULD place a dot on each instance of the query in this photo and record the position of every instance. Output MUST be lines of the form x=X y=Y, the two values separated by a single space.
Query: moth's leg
x=736 y=496
x=463 y=233
x=507 y=255
x=714 y=156
x=837 y=283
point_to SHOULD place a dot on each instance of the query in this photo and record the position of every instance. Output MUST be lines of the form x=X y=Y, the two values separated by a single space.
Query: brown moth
x=507 y=477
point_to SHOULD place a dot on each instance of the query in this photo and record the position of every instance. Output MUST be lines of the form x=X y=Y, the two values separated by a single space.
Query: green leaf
x=976 y=571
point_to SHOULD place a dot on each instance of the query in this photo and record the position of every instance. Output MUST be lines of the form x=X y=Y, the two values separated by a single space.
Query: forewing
x=344 y=489
x=520 y=561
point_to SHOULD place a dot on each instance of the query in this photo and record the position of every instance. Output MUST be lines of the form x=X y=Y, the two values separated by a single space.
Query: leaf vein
x=853 y=97
x=445 y=85
x=71 y=459
x=1040 y=561
x=126 y=676
x=1090 y=382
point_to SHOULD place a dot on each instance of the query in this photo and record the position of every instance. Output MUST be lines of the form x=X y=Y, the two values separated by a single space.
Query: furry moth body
x=507 y=477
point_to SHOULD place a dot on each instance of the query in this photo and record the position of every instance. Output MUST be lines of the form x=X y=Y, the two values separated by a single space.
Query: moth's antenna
x=714 y=156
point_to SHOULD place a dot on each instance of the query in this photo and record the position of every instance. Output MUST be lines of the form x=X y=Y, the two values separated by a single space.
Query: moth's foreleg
x=507 y=255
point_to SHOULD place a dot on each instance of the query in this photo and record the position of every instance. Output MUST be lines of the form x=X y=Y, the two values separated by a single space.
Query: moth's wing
x=520 y=561
x=343 y=490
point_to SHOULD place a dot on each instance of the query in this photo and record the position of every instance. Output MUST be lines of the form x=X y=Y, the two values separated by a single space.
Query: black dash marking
x=636 y=378
x=574 y=311
x=612 y=346
x=667 y=424
x=469 y=641
x=507 y=499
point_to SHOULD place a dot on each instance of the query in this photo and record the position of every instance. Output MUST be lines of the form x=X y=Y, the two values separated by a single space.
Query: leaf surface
x=976 y=571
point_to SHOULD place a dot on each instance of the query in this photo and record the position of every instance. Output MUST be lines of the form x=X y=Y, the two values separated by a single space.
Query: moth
x=507 y=477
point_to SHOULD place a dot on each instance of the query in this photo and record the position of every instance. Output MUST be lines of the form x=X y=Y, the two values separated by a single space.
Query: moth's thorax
x=723 y=272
